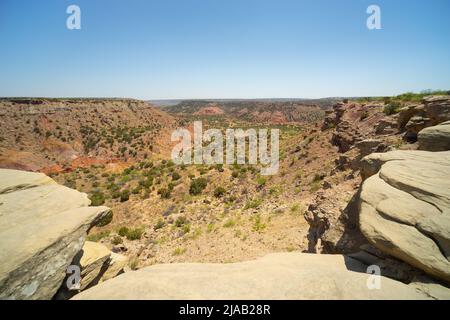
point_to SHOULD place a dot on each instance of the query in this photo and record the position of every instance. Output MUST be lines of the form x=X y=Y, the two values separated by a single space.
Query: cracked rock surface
x=42 y=228
x=405 y=208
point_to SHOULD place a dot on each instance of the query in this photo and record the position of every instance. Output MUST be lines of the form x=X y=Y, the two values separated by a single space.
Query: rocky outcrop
x=386 y=126
x=435 y=138
x=276 y=276
x=345 y=136
x=371 y=164
x=437 y=108
x=92 y=259
x=405 y=208
x=97 y=264
x=414 y=118
x=42 y=228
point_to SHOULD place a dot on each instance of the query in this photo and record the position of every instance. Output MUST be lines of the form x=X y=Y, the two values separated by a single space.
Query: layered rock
x=97 y=264
x=276 y=276
x=42 y=228
x=414 y=118
x=436 y=138
x=405 y=208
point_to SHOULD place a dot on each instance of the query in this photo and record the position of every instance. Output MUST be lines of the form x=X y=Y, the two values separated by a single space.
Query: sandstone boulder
x=115 y=265
x=42 y=228
x=406 y=113
x=97 y=263
x=414 y=118
x=437 y=108
x=276 y=276
x=93 y=259
x=435 y=138
x=372 y=163
x=405 y=208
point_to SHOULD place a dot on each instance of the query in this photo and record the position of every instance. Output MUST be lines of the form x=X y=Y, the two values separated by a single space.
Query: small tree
x=219 y=192
x=125 y=195
x=197 y=186
x=97 y=199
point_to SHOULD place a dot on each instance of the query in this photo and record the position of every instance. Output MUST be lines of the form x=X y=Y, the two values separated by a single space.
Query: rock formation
x=97 y=264
x=405 y=208
x=276 y=276
x=435 y=138
x=414 y=118
x=42 y=228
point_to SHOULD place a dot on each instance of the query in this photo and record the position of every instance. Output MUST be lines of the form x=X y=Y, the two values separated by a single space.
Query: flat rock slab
x=42 y=228
x=276 y=276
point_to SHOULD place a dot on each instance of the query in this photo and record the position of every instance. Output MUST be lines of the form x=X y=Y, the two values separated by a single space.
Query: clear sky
x=150 y=49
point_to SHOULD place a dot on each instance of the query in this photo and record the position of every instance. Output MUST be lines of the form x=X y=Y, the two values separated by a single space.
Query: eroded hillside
x=57 y=134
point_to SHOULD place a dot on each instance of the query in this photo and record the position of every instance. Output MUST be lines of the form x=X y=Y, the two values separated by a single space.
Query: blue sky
x=223 y=48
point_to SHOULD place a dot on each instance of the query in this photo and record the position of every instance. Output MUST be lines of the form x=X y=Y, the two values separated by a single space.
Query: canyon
x=91 y=183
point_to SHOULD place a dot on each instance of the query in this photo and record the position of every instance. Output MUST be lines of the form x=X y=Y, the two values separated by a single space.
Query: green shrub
x=160 y=224
x=229 y=223
x=134 y=234
x=180 y=222
x=252 y=204
x=125 y=195
x=197 y=186
x=178 y=251
x=176 y=176
x=186 y=228
x=164 y=193
x=97 y=199
x=392 y=108
x=219 y=192
x=136 y=190
x=131 y=234
x=116 y=240
x=123 y=231
x=146 y=183
x=261 y=181
x=258 y=225
x=210 y=227
x=115 y=194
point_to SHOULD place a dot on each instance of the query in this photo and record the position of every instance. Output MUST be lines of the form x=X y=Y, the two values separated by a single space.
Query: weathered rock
x=437 y=108
x=406 y=113
x=387 y=125
x=19 y=180
x=405 y=208
x=432 y=111
x=368 y=146
x=435 y=138
x=42 y=227
x=431 y=288
x=276 y=276
x=116 y=265
x=371 y=164
x=93 y=260
x=414 y=125
x=97 y=264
